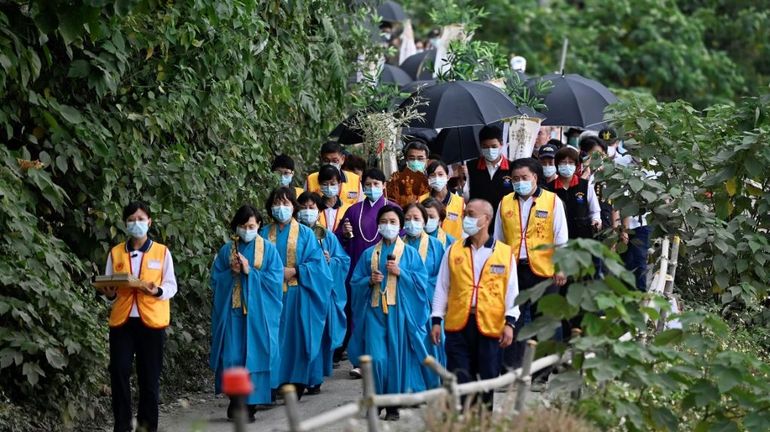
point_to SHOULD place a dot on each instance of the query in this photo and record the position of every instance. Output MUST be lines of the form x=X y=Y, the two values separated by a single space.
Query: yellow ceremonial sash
x=441 y=236
x=259 y=252
x=291 y=249
x=387 y=296
x=422 y=248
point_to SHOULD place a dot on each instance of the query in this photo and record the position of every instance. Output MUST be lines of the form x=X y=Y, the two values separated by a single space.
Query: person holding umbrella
x=489 y=177
x=454 y=206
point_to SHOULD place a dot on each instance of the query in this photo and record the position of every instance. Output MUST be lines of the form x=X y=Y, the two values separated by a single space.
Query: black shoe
x=231 y=410
x=251 y=410
x=336 y=364
x=313 y=390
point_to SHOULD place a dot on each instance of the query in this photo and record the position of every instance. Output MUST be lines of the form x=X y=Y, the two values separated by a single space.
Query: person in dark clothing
x=579 y=198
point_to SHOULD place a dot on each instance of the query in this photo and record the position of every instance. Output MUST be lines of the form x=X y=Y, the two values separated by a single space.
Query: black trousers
x=134 y=338
x=472 y=356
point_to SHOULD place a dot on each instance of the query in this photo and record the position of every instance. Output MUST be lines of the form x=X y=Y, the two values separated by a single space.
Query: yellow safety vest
x=490 y=290
x=538 y=232
x=154 y=312
x=349 y=189
x=453 y=222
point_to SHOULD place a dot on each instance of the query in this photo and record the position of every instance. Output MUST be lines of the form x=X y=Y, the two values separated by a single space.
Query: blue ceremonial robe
x=396 y=340
x=432 y=264
x=336 y=320
x=449 y=238
x=249 y=340
x=304 y=305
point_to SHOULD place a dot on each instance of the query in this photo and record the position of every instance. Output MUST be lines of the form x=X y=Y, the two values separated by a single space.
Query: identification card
x=452 y=216
x=154 y=265
x=541 y=214
x=352 y=195
x=497 y=269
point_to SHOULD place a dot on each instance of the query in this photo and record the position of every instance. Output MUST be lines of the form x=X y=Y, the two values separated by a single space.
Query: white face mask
x=431 y=225
x=491 y=154
x=438 y=183
x=388 y=231
x=308 y=216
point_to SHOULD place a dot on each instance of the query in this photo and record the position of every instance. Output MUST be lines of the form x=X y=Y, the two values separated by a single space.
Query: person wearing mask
x=339 y=264
x=283 y=165
x=436 y=217
x=307 y=283
x=358 y=232
x=590 y=145
x=543 y=135
x=546 y=157
x=438 y=178
x=408 y=185
x=431 y=250
x=390 y=304
x=350 y=189
x=489 y=177
x=246 y=280
x=582 y=205
x=138 y=318
x=527 y=219
x=478 y=322
x=331 y=208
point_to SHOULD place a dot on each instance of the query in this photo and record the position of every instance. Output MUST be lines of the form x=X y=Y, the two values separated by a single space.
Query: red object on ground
x=236 y=382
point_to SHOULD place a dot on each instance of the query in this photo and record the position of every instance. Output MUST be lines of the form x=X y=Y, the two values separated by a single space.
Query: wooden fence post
x=524 y=382
x=372 y=413
x=668 y=289
x=292 y=411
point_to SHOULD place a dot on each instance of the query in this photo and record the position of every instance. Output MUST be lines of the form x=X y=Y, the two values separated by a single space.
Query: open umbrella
x=391 y=11
x=463 y=103
x=575 y=101
x=394 y=75
x=417 y=65
x=457 y=144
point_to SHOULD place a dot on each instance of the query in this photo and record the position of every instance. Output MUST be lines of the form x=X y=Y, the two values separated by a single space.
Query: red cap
x=236 y=382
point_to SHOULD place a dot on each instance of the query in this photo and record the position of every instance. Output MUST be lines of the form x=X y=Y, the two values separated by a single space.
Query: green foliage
x=180 y=104
x=448 y=12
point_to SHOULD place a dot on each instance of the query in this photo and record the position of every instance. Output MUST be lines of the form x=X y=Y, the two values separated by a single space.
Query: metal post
x=563 y=63
x=668 y=289
x=525 y=380
x=292 y=411
x=372 y=413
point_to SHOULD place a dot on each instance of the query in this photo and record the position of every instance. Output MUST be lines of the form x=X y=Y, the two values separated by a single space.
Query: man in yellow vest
x=475 y=297
x=350 y=188
x=138 y=319
x=526 y=219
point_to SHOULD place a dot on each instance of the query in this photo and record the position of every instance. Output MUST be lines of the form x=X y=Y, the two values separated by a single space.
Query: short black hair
x=489 y=132
x=419 y=207
x=530 y=163
x=417 y=144
x=328 y=172
x=281 y=193
x=331 y=147
x=243 y=214
x=566 y=152
x=434 y=156
x=433 y=166
x=556 y=143
x=282 y=161
x=394 y=209
x=353 y=163
x=133 y=206
x=310 y=196
x=374 y=174
x=589 y=142
x=436 y=204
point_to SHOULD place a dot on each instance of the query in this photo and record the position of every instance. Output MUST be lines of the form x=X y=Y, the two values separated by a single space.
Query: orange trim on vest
x=154 y=312
x=337 y=218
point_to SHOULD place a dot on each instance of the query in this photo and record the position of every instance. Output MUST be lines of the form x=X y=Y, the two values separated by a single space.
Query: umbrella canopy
x=391 y=11
x=416 y=65
x=426 y=134
x=394 y=75
x=575 y=101
x=463 y=103
x=457 y=144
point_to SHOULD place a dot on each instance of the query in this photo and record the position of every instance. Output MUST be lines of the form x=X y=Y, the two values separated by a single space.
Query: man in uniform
x=489 y=177
x=350 y=189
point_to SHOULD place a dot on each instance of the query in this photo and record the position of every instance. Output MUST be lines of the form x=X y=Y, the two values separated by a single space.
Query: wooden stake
x=372 y=413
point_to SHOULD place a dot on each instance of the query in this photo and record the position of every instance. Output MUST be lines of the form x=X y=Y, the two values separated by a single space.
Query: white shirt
x=560 y=234
x=169 y=279
x=480 y=257
x=331 y=217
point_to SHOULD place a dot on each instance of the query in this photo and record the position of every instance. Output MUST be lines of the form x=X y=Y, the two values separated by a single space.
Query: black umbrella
x=417 y=65
x=457 y=144
x=394 y=75
x=391 y=11
x=426 y=134
x=463 y=103
x=575 y=101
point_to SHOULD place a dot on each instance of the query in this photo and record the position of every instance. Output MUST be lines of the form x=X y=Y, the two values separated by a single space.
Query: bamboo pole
x=449 y=381
x=525 y=379
x=409 y=399
x=669 y=284
x=372 y=413
x=332 y=417
x=507 y=379
x=292 y=411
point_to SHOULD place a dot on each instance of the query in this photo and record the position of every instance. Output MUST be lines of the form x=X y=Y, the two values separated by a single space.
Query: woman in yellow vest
x=138 y=319
x=475 y=298
x=438 y=176
x=332 y=208
x=436 y=214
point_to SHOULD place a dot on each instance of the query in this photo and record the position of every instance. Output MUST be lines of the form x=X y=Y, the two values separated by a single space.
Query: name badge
x=541 y=214
x=352 y=195
x=497 y=269
x=154 y=265
x=452 y=216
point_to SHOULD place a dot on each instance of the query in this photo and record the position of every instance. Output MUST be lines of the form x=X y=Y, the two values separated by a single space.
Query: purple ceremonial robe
x=363 y=231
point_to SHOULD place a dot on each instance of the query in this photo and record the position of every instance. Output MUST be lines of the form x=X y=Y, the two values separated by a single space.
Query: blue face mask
x=286 y=179
x=416 y=165
x=566 y=170
x=282 y=213
x=137 y=229
x=523 y=188
x=573 y=141
x=330 y=191
x=247 y=235
x=431 y=225
x=413 y=228
x=491 y=154
x=549 y=170
x=388 y=231
x=471 y=225
x=308 y=216
x=373 y=193
x=438 y=183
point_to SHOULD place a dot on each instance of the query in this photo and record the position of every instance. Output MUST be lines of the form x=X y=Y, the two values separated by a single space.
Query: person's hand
x=507 y=339
x=559 y=279
x=235 y=265
x=289 y=273
x=347 y=228
x=244 y=263
x=624 y=236
x=327 y=256
x=435 y=334
x=109 y=291
x=392 y=268
x=150 y=288
x=596 y=225
x=377 y=277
